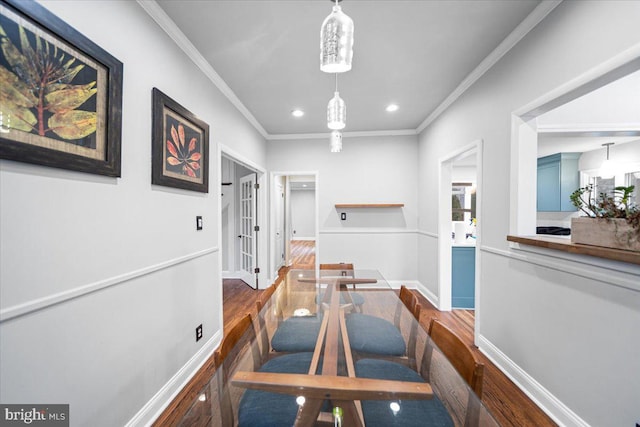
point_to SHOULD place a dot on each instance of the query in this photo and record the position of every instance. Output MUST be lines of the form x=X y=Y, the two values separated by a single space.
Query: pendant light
x=336 y=111
x=336 y=42
x=336 y=141
x=608 y=167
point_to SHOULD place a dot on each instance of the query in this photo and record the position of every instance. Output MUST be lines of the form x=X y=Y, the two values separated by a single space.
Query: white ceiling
x=413 y=53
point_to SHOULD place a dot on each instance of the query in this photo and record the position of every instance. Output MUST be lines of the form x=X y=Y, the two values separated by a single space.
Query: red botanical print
x=179 y=154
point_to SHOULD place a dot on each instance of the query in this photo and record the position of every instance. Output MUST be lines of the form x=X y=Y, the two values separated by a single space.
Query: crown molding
x=528 y=24
x=355 y=134
x=162 y=19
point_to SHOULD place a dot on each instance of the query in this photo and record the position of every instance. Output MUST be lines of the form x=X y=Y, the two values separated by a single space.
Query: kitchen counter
x=562 y=243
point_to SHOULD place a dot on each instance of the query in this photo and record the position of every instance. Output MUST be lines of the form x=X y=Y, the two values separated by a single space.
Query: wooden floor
x=303 y=254
x=508 y=404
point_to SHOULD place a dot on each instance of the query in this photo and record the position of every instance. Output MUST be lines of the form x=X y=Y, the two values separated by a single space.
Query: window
x=463 y=201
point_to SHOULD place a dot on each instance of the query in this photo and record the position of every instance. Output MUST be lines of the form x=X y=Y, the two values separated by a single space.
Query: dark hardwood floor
x=508 y=404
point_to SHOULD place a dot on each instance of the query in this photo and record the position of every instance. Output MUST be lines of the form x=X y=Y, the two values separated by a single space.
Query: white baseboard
x=430 y=296
x=550 y=404
x=304 y=238
x=154 y=407
x=396 y=284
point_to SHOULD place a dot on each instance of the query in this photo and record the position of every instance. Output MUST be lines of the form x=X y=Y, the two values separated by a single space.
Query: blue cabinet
x=558 y=177
x=463 y=277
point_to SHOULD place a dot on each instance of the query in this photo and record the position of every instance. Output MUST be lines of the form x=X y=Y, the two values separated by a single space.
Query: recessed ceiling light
x=391 y=108
x=297 y=113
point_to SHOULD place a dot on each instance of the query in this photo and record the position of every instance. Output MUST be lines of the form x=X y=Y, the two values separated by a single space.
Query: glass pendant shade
x=336 y=141
x=336 y=113
x=336 y=42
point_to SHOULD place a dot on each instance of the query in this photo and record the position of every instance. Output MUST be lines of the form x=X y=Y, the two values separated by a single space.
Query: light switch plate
x=198 y=223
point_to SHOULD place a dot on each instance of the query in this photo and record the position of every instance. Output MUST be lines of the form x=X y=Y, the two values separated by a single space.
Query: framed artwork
x=180 y=146
x=60 y=93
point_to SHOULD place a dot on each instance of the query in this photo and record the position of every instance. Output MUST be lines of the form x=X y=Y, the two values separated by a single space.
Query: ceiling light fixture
x=336 y=141
x=608 y=167
x=391 y=108
x=336 y=111
x=297 y=113
x=336 y=42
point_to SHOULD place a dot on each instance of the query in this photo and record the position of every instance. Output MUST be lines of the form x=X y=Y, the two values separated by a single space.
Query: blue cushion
x=355 y=297
x=370 y=334
x=296 y=334
x=262 y=408
x=412 y=413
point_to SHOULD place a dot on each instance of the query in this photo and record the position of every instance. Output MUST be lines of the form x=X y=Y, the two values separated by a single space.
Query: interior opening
x=563 y=143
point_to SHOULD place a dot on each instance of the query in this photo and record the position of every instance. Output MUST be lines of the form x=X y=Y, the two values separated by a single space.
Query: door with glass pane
x=248 y=230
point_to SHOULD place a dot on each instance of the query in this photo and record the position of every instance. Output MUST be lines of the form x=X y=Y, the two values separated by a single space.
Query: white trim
x=589 y=128
x=162 y=19
x=159 y=402
x=312 y=238
x=326 y=135
x=528 y=24
x=542 y=397
x=445 y=167
x=627 y=275
x=236 y=157
x=44 y=302
x=428 y=234
x=430 y=296
x=368 y=231
x=606 y=72
x=172 y=30
x=397 y=284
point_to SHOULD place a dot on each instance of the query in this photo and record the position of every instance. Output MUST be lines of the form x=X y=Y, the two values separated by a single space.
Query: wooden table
x=333 y=345
x=331 y=375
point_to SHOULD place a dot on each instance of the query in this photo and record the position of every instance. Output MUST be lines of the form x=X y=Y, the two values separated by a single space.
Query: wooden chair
x=415 y=413
x=343 y=269
x=230 y=349
x=261 y=325
x=458 y=353
x=371 y=336
x=255 y=408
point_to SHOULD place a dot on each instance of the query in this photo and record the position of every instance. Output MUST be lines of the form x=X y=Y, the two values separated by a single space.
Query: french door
x=248 y=230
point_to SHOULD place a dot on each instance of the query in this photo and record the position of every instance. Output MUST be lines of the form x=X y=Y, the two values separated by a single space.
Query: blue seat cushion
x=370 y=334
x=355 y=297
x=412 y=413
x=262 y=408
x=296 y=334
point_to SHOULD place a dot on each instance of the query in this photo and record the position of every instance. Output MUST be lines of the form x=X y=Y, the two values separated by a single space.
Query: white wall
x=566 y=329
x=105 y=279
x=368 y=170
x=303 y=214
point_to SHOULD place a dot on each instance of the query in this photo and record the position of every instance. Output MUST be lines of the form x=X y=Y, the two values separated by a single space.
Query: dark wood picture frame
x=75 y=120
x=179 y=146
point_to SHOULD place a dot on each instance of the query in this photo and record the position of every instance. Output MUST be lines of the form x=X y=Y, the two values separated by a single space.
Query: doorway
x=240 y=221
x=294 y=224
x=459 y=226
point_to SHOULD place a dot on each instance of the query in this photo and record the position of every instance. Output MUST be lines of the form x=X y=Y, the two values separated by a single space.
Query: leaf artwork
x=179 y=154
x=37 y=90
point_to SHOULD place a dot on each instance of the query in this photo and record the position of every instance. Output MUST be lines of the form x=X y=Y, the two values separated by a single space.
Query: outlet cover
x=199 y=332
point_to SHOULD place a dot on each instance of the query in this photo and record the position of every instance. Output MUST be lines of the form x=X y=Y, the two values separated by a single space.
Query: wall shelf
x=368 y=205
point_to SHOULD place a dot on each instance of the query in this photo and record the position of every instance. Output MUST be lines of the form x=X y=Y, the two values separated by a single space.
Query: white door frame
x=272 y=226
x=264 y=280
x=444 y=227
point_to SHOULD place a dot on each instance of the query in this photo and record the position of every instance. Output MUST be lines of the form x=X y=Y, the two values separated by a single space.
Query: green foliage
x=616 y=205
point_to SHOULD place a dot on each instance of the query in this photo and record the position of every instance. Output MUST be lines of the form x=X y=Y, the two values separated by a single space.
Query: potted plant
x=612 y=219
